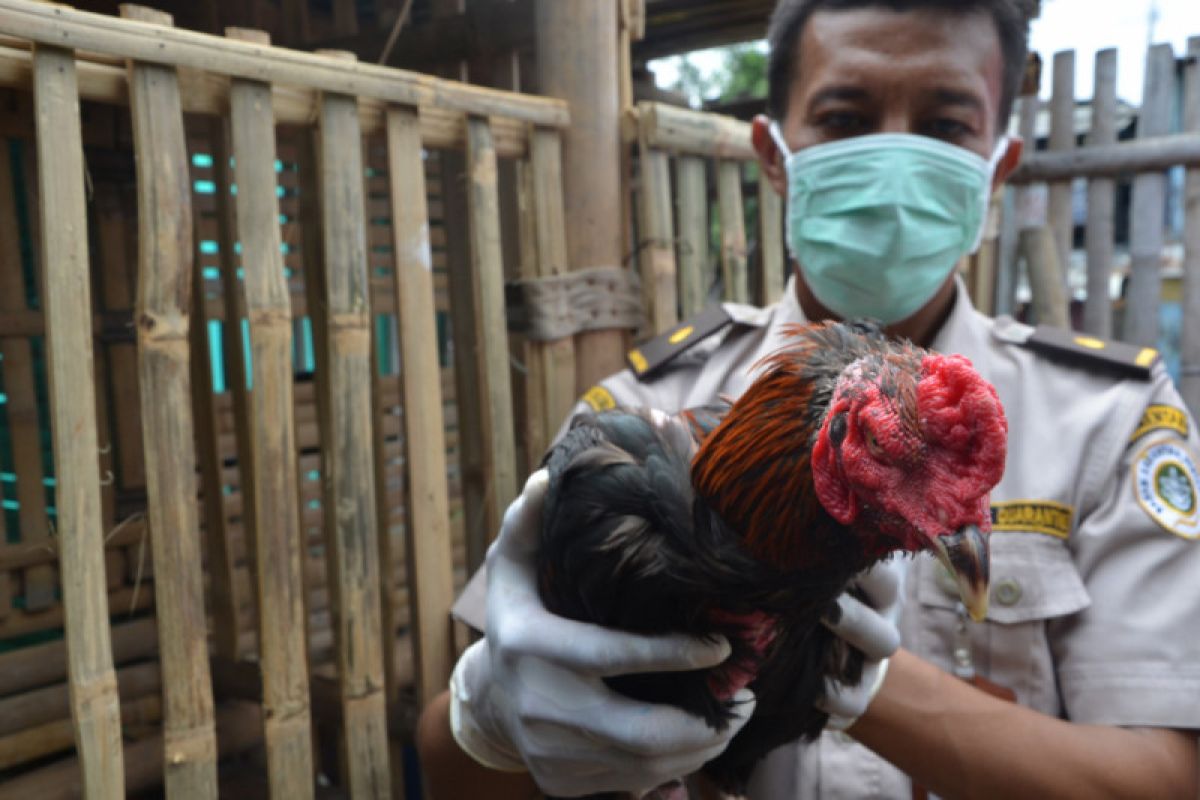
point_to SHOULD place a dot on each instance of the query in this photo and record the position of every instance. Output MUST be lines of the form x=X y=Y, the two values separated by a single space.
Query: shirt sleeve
x=1132 y=657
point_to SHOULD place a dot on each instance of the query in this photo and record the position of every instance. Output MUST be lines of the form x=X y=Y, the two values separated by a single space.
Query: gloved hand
x=531 y=694
x=871 y=628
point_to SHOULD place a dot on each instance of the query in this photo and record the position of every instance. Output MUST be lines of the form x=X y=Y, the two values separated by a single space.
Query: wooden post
x=1101 y=222
x=733 y=232
x=279 y=541
x=427 y=525
x=1045 y=277
x=65 y=292
x=577 y=61
x=1062 y=138
x=1147 y=210
x=348 y=466
x=774 y=271
x=656 y=250
x=1190 y=337
x=164 y=299
x=692 y=196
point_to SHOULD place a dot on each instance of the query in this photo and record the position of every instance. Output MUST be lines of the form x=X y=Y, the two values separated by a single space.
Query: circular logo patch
x=1166 y=481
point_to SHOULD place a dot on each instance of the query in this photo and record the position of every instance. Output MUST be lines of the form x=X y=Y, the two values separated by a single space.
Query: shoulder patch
x=660 y=350
x=1089 y=352
x=1162 y=418
x=1167 y=486
x=599 y=399
x=1033 y=516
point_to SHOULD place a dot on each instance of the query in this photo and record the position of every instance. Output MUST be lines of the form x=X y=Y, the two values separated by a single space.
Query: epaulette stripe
x=653 y=354
x=1088 y=351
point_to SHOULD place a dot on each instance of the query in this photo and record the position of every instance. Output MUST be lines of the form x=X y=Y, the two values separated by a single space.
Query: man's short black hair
x=788 y=21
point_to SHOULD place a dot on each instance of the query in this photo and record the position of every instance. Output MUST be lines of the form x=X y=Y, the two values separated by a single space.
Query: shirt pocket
x=1033 y=581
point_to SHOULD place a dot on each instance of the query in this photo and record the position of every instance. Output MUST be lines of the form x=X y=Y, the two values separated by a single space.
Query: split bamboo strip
x=774 y=269
x=733 y=232
x=427 y=527
x=682 y=131
x=1190 y=336
x=1060 y=215
x=276 y=504
x=555 y=360
x=1146 y=209
x=66 y=297
x=100 y=33
x=164 y=300
x=1101 y=204
x=348 y=469
x=494 y=393
x=691 y=183
x=16 y=362
x=657 y=246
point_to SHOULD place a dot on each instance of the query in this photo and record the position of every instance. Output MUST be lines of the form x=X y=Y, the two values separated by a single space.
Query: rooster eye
x=873 y=445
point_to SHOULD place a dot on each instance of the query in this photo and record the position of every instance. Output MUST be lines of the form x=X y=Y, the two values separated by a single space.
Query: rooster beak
x=965 y=554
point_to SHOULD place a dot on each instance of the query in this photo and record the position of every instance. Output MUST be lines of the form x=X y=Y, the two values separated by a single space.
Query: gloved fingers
x=522 y=524
x=864 y=628
x=845 y=704
x=883 y=584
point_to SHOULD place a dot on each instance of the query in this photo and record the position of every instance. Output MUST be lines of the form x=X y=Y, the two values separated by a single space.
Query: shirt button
x=1007 y=593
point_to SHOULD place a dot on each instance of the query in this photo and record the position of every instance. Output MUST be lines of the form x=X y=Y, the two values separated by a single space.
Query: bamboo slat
x=494 y=393
x=682 y=131
x=1189 y=339
x=430 y=567
x=46 y=664
x=65 y=292
x=276 y=504
x=1016 y=200
x=691 y=183
x=1151 y=154
x=1146 y=209
x=733 y=232
x=1101 y=220
x=53 y=703
x=657 y=246
x=164 y=293
x=348 y=469
x=1059 y=211
x=774 y=271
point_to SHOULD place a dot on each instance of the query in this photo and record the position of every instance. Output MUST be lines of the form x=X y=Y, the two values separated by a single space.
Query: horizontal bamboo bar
x=1141 y=155
x=52 y=703
x=101 y=33
x=685 y=132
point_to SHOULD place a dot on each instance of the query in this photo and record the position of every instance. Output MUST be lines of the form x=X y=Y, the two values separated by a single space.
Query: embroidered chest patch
x=1166 y=481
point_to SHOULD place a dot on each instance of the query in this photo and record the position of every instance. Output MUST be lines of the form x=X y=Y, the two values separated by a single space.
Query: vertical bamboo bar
x=1017 y=201
x=430 y=569
x=555 y=361
x=66 y=294
x=733 y=232
x=164 y=294
x=657 y=246
x=494 y=386
x=774 y=263
x=279 y=540
x=1148 y=207
x=1190 y=337
x=348 y=469
x=1062 y=137
x=691 y=186
x=1101 y=222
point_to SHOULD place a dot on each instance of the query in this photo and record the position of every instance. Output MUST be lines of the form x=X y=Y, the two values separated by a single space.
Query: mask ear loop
x=777 y=136
x=993 y=164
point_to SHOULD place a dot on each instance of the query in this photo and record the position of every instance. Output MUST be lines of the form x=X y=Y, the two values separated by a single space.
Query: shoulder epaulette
x=650 y=356
x=1089 y=352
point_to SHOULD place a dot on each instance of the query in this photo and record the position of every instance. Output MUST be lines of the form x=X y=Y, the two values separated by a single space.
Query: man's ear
x=1009 y=161
x=770 y=160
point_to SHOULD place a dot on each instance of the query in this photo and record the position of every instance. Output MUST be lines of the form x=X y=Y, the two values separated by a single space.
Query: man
x=1095 y=603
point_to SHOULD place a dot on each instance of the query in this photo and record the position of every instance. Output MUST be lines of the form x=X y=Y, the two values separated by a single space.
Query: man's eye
x=842 y=122
x=948 y=129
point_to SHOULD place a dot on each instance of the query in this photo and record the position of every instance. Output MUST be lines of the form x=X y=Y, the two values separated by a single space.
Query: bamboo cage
x=225 y=275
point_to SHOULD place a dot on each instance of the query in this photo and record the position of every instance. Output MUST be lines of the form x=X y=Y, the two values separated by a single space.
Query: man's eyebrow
x=837 y=93
x=954 y=97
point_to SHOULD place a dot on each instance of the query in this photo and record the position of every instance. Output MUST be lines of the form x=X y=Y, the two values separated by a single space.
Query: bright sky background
x=1082 y=25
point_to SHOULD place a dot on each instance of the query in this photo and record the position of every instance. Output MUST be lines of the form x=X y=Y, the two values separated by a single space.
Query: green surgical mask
x=878 y=222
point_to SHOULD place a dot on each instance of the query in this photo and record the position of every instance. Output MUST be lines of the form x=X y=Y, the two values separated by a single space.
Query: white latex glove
x=531 y=695
x=872 y=630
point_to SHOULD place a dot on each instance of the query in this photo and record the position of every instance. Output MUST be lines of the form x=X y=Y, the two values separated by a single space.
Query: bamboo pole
x=1147 y=209
x=348 y=470
x=45 y=664
x=66 y=295
x=276 y=505
x=1101 y=221
x=1045 y=277
x=164 y=286
x=691 y=183
x=682 y=131
x=1150 y=154
x=1016 y=203
x=1190 y=336
x=53 y=703
x=1060 y=213
x=427 y=527
x=656 y=249
x=773 y=274
x=733 y=232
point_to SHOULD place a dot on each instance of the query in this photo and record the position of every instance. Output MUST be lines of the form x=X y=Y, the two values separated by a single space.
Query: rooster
x=748 y=519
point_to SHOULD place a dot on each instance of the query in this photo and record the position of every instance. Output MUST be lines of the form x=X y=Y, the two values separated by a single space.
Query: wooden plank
x=1148 y=204
x=66 y=296
x=348 y=469
x=773 y=272
x=276 y=505
x=733 y=232
x=1189 y=340
x=430 y=567
x=1060 y=214
x=691 y=182
x=494 y=386
x=657 y=246
x=16 y=361
x=1101 y=219
x=1151 y=154
x=682 y=131
x=100 y=33
x=164 y=286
